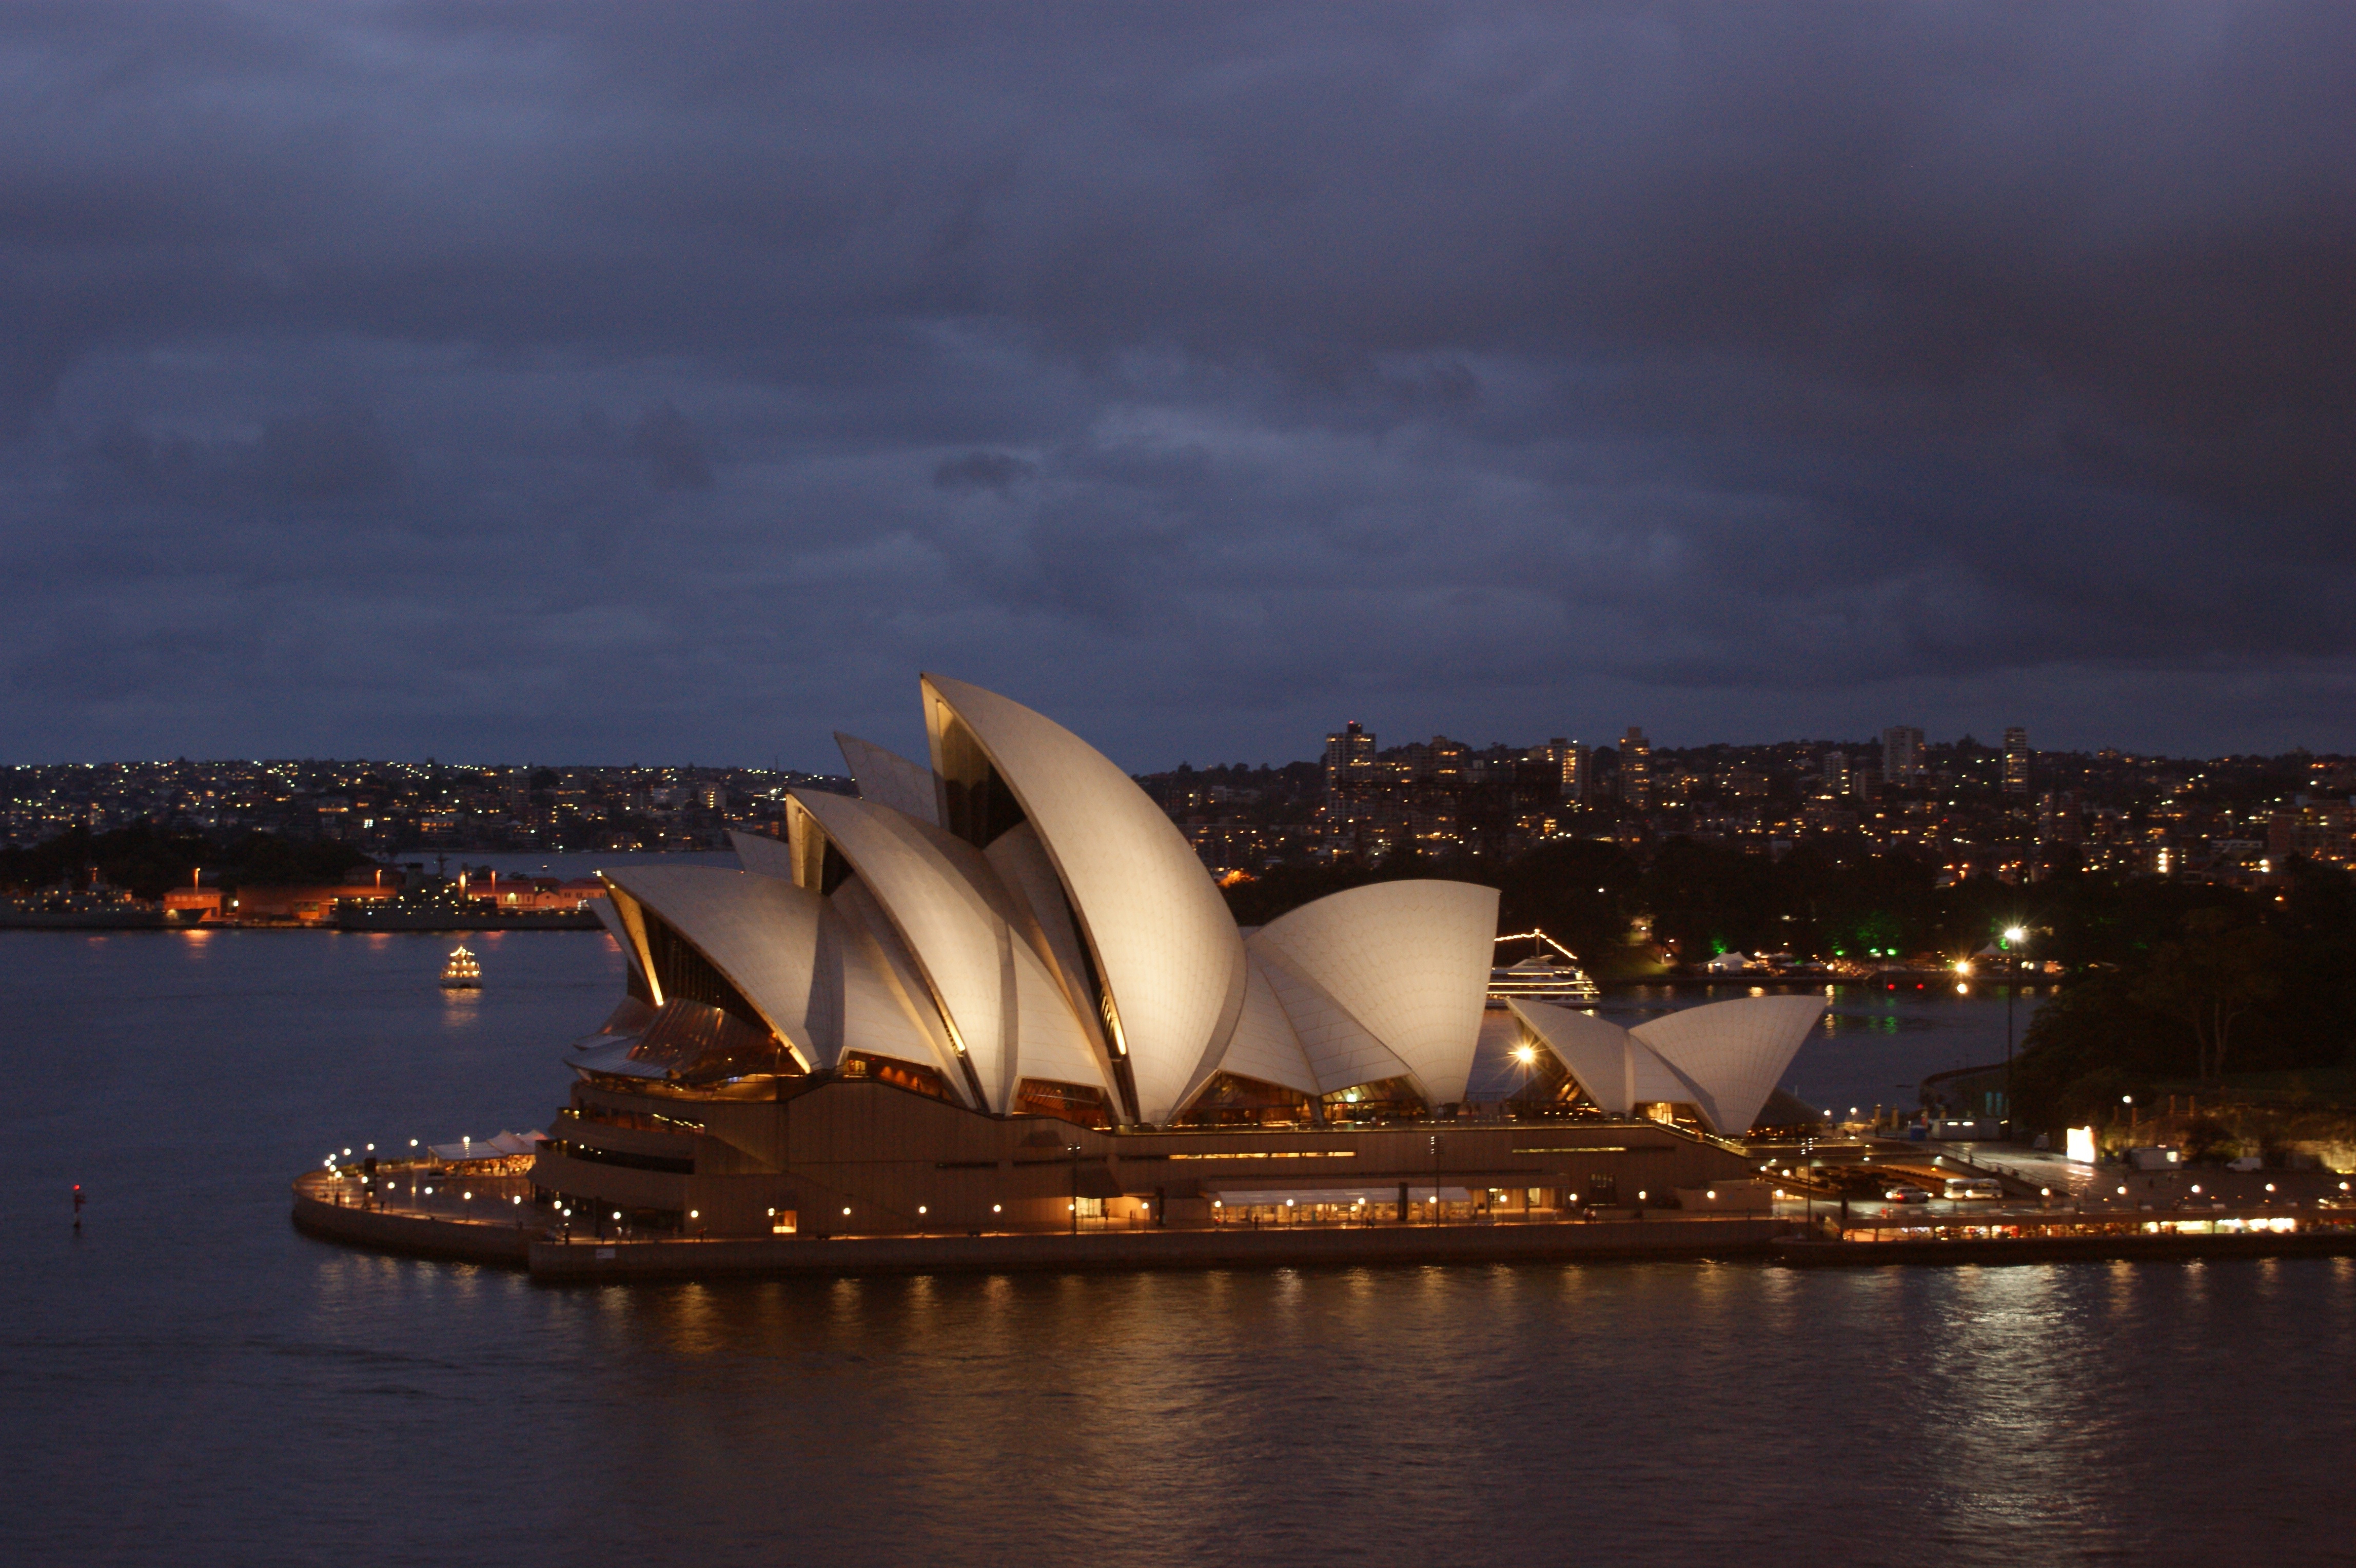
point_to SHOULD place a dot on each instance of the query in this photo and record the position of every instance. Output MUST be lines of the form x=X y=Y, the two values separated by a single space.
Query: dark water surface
x=190 y=1381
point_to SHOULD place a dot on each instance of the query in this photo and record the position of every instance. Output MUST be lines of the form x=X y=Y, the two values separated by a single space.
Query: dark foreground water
x=190 y=1381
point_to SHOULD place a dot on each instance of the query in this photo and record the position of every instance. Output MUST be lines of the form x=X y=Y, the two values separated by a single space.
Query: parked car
x=1905 y=1193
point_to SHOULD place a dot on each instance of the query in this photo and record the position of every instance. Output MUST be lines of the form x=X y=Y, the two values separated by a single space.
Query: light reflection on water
x=193 y=1382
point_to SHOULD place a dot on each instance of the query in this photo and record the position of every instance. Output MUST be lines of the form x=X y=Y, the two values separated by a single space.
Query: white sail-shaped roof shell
x=609 y=915
x=1165 y=947
x=1733 y=1051
x=1265 y=1046
x=1342 y=1053
x=762 y=854
x=1592 y=1050
x=887 y=779
x=1653 y=1078
x=865 y=989
x=1723 y=1059
x=943 y=899
x=757 y=931
x=1041 y=914
x=1409 y=960
x=1048 y=1040
x=883 y=1007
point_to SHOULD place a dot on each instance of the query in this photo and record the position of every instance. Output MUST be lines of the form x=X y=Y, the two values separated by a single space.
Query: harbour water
x=188 y=1380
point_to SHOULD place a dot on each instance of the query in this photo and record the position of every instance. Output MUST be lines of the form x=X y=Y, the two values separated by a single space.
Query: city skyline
x=1859 y=749
x=2011 y=813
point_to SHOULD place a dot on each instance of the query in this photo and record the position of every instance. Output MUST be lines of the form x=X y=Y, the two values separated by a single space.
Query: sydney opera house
x=997 y=990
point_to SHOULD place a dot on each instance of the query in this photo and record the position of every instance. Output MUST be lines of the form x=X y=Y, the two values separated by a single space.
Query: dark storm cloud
x=675 y=458
x=604 y=380
x=982 y=471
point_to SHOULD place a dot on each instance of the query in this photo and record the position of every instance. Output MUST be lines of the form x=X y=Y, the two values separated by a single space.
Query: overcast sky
x=659 y=382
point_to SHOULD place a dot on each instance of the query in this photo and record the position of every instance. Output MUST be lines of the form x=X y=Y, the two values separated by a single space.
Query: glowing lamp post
x=2013 y=935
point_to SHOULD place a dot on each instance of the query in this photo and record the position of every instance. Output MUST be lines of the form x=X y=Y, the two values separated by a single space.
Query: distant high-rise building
x=2016 y=761
x=1349 y=757
x=1635 y=771
x=1554 y=754
x=1578 y=773
x=1833 y=770
x=1901 y=755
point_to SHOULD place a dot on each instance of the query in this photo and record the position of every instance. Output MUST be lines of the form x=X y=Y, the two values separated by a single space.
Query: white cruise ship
x=1550 y=973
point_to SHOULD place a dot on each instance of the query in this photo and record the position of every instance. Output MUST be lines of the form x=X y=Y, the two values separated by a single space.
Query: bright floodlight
x=1524 y=1055
x=2016 y=933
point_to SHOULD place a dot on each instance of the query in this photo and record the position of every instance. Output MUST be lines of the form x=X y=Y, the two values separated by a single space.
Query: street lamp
x=2012 y=935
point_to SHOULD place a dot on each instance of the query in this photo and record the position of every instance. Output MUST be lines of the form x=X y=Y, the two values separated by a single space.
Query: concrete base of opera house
x=532 y=1247
x=546 y=1256
x=422 y=1235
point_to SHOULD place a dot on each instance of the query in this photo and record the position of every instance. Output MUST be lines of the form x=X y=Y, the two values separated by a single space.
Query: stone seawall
x=422 y=1235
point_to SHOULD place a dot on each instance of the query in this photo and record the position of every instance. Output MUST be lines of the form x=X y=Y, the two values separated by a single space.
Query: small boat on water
x=1543 y=976
x=461 y=972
